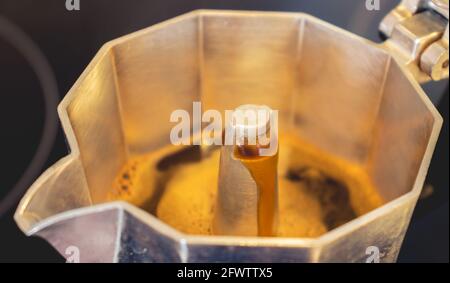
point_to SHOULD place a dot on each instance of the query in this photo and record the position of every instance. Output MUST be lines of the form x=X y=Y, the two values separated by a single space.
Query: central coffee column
x=247 y=200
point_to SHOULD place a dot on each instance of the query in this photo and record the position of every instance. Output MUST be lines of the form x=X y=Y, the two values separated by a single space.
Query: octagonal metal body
x=342 y=93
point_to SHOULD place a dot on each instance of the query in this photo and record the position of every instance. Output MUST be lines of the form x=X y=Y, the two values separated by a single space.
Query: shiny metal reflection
x=342 y=93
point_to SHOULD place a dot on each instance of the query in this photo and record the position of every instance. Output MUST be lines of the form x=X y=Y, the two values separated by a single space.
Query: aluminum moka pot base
x=342 y=93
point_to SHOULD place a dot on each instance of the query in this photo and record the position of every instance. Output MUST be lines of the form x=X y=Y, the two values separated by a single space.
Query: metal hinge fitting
x=417 y=33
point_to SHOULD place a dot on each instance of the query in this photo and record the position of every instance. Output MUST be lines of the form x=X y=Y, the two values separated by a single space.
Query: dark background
x=69 y=39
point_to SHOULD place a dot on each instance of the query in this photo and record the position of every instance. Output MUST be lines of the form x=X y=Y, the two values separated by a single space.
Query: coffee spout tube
x=247 y=200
